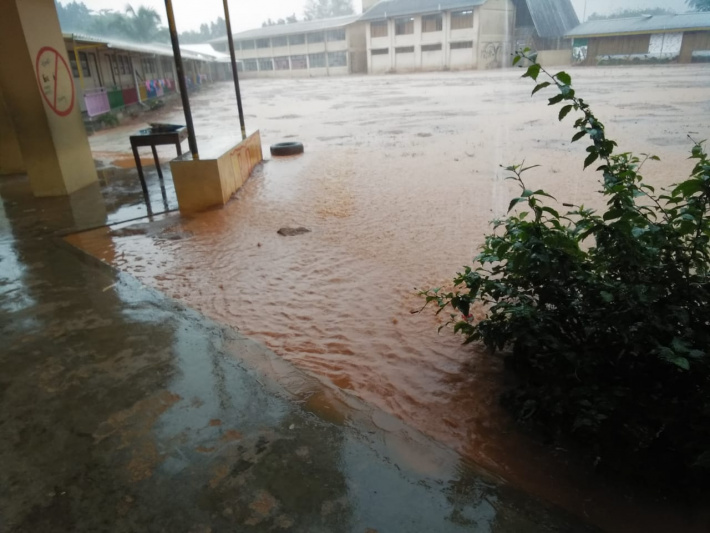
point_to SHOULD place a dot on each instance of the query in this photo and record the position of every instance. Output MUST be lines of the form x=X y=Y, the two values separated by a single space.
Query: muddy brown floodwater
x=400 y=179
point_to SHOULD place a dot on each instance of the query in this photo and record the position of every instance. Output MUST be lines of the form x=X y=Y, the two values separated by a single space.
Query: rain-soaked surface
x=125 y=411
x=399 y=181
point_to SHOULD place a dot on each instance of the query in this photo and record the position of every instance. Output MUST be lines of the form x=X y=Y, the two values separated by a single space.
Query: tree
x=74 y=16
x=143 y=24
x=322 y=9
x=699 y=5
x=628 y=13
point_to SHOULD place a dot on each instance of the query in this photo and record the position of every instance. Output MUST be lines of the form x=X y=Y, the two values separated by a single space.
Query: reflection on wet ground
x=397 y=200
x=123 y=410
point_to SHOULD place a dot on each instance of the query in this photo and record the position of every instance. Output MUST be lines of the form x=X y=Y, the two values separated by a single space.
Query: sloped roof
x=400 y=8
x=552 y=18
x=646 y=24
x=292 y=29
x=187 y=51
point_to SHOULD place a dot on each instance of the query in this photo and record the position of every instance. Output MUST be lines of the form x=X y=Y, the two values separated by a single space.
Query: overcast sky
x=247 y=14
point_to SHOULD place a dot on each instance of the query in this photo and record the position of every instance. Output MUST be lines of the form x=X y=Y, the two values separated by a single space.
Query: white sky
x=248 y=14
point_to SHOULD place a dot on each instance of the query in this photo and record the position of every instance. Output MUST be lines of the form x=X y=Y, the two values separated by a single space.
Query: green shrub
x=604 y=317
x=109 y=120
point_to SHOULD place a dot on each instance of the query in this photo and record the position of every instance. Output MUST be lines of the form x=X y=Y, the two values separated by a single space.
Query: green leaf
x=540 y=86
x=682 y=362
x=607 y=296
x=591 y=158
x=533 y=71
x=515 y=202
x=578 y=135
x=565 y=78
x=517 y=59
x=565 y=111
x=556 y=99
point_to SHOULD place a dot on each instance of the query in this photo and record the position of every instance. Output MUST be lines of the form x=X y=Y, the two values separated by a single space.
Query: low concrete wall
x=212 y=180
x=554 y=57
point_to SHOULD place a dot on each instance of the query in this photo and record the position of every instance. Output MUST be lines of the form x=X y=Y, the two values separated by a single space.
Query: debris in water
x=290 y=232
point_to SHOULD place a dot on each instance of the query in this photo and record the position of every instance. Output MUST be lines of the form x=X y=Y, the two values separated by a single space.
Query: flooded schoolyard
x=399 y=181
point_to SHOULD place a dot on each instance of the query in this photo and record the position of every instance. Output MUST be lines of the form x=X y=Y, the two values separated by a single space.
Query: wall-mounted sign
x=55 y=81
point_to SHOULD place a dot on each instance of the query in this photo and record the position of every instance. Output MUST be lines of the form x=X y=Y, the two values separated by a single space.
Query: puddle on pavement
x=338 y=301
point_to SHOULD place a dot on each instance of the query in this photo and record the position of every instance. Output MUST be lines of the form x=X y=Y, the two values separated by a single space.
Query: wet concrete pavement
x=123 y=410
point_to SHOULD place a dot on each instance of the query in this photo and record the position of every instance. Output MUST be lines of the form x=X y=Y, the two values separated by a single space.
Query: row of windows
x=118 y=63
x=430 y=23
x=425 y=48
x=298 y=62
x=284 y=40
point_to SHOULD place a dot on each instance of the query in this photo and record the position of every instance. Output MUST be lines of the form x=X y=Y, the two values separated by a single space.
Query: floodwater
x=399 y=181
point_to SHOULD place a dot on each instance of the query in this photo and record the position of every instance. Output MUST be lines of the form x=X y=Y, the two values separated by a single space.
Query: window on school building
x=85 y=71
x=461 y=20
x=404 y=50
x=431 y=47
x=317 y=37
x=250 y=65
x=282 y=63
x=279 y=41
x=380 y=51
x=337 y=59
x=336 y=35
x=263 y=43
x=225 y=47
x=299 y=62
x=296 y=39
x=404 y=26
x=266 y=64
x=461 y=44
x=247 y=45
x=378 y=29
x=148 y=66
x=316 y=60
x=431 y=23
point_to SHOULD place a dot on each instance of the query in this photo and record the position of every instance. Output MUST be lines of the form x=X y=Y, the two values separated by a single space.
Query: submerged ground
x=400 y=178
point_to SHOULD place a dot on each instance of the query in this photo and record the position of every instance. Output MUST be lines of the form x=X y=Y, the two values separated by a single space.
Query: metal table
x=152 y=138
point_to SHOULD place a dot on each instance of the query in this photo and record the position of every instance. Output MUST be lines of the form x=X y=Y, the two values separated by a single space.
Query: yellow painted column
x=41 y=99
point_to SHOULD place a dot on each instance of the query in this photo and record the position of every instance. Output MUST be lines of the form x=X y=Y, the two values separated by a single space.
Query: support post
x=235 y=74
x=181 y=80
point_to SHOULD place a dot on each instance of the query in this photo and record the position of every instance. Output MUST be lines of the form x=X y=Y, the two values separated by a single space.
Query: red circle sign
x=55 y=81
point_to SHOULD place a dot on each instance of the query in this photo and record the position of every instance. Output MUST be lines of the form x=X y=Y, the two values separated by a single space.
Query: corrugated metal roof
x=292 y=29
x=649 y=24
x=552 y=18
x=401 y=8
x=146 y=48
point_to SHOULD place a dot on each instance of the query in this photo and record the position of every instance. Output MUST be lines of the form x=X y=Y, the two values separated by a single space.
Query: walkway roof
x=201 y=52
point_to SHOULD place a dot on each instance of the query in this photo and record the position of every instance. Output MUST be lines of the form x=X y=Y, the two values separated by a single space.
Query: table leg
x=139 y=167
x=157 y=162
x=179 y=148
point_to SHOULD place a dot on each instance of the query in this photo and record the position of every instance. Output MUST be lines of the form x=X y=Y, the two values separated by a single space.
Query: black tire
x=289 y=148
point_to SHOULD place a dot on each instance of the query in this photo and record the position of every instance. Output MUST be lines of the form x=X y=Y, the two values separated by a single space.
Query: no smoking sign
x=55 y=81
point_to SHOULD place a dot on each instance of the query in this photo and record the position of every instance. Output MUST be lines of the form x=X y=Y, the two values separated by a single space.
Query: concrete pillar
x=11 y=161
x=40 y=96
x=392 y=37
x=418 y=43
x=446 y=41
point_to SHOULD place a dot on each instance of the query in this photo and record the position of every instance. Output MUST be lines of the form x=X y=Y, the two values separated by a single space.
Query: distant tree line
x=137 y=25
x=699 y=5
